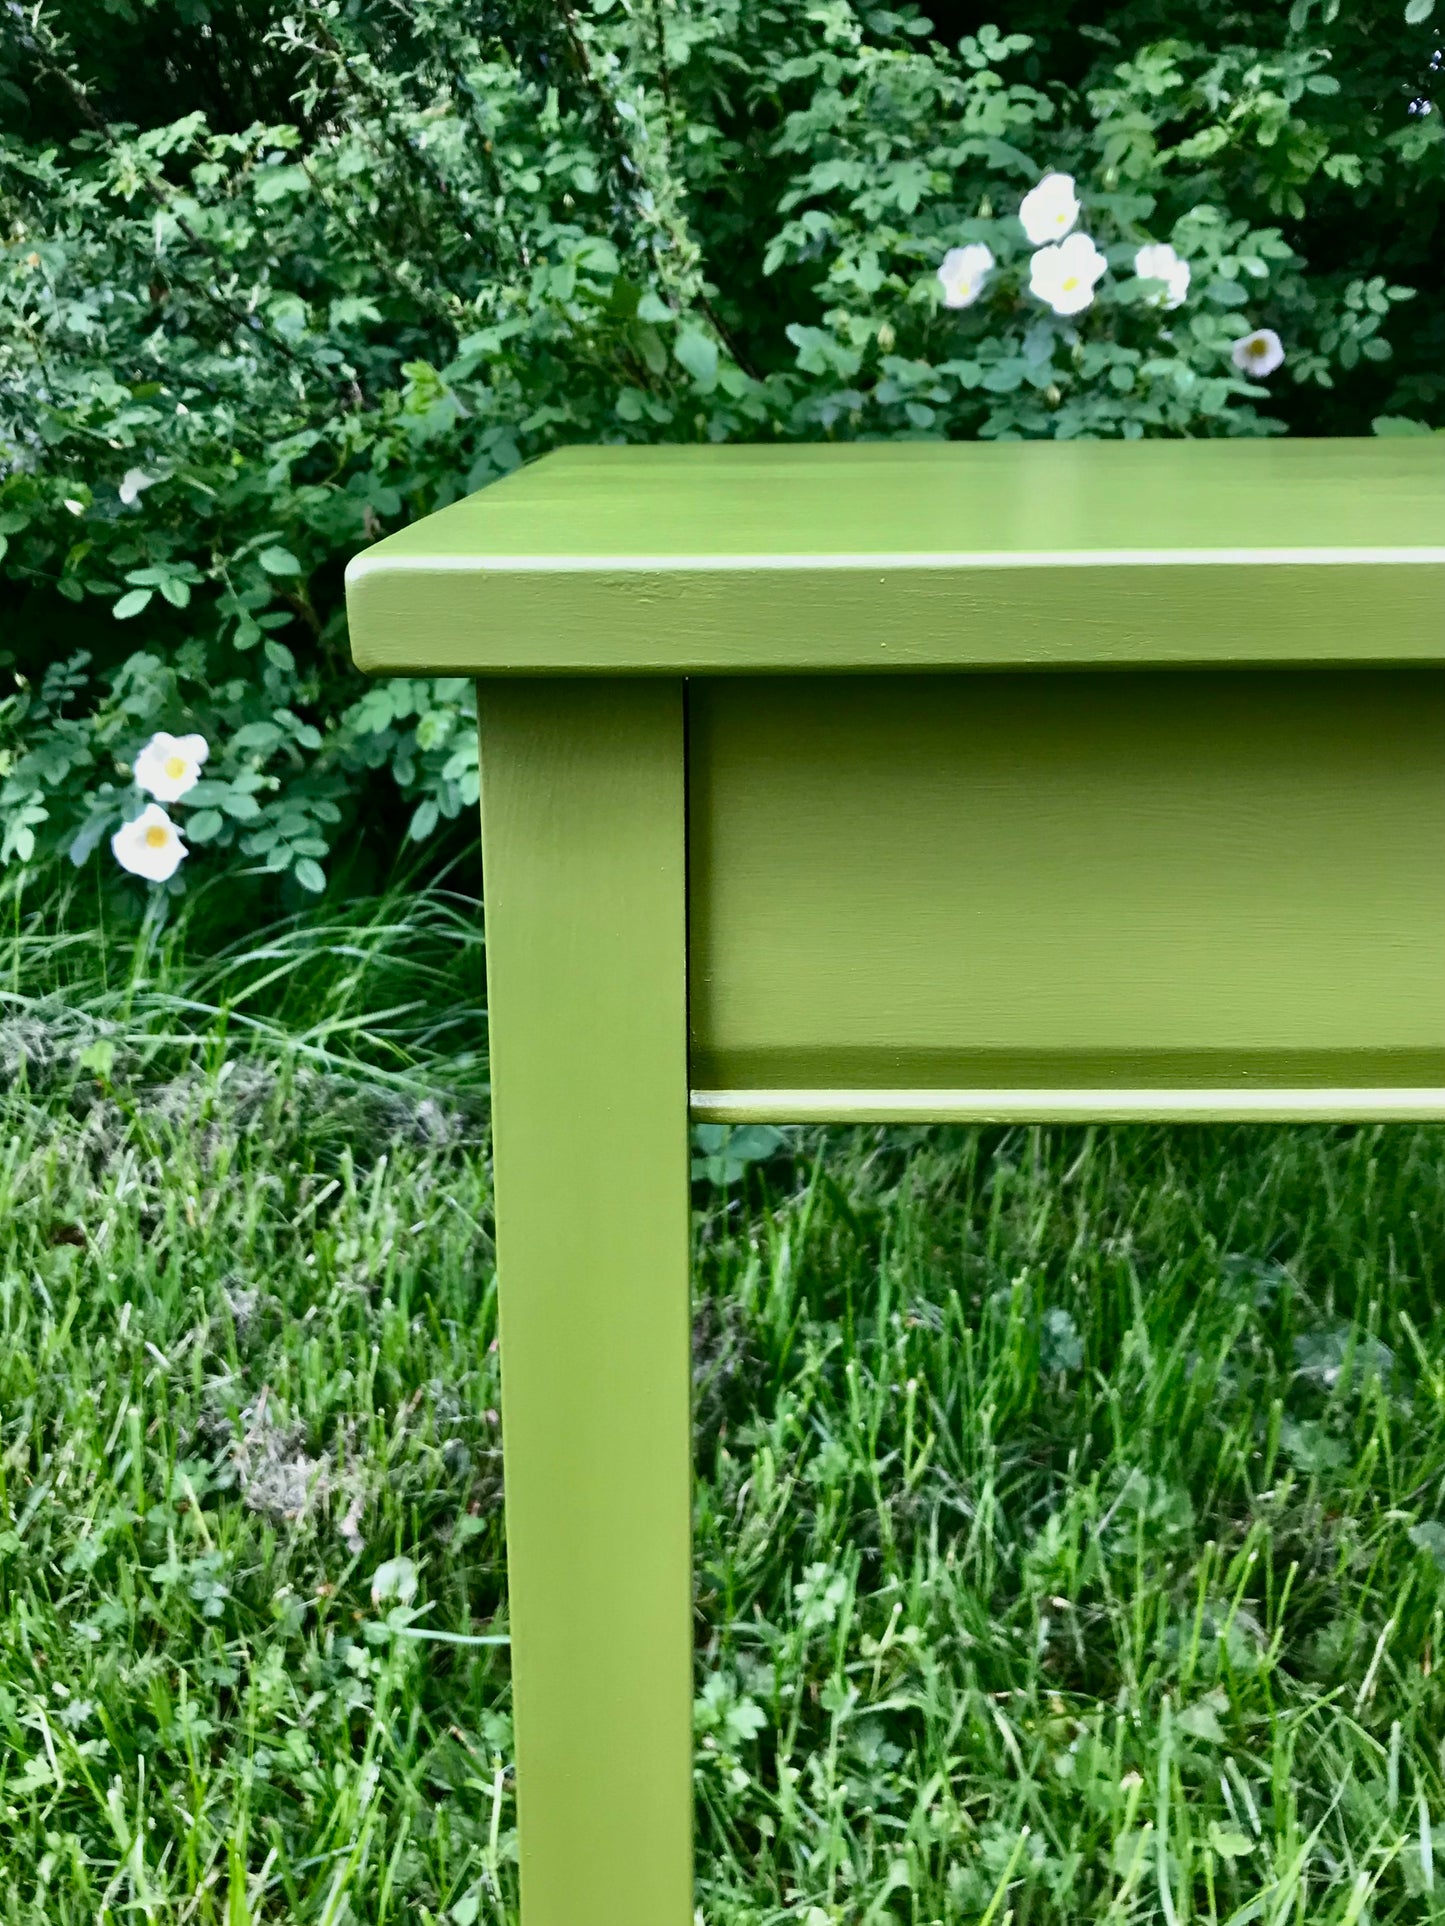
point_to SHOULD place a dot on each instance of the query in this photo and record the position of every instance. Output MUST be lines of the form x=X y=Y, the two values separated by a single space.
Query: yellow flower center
x=1070 y=282
x=156 y=837
x=175 y=767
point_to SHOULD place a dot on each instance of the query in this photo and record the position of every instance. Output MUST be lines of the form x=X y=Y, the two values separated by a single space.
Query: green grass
x=1070 y=1503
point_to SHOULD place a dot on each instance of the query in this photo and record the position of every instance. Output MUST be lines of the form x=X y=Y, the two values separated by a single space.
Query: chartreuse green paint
x=670 y=561
x=1071 y=780
x=583 y=857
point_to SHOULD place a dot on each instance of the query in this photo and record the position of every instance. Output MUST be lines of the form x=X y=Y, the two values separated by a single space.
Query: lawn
x=1069 y=1509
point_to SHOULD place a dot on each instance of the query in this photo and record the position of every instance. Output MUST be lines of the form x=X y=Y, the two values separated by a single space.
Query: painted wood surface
x=583 y=855
x=942 y=889
x=1110 y=1103
x=885 y=556
x=1157 y=882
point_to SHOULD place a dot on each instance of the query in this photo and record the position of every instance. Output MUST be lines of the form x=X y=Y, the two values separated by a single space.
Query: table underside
x=1194 y=894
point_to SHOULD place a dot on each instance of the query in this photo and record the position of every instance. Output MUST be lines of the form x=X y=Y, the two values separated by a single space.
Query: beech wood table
x=896 y=780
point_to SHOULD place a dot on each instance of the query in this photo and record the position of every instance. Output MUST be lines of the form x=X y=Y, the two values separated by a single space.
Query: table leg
x=584 y=875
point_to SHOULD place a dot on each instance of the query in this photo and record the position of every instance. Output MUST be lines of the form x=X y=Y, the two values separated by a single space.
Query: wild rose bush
x=238 y=343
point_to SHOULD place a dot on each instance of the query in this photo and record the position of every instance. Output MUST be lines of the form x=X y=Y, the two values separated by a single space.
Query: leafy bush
x=386 y=255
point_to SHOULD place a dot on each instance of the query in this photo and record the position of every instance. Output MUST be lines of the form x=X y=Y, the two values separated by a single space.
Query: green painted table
x=1038 y=780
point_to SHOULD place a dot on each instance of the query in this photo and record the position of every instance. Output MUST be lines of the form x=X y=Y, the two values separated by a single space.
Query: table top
x=920 y=555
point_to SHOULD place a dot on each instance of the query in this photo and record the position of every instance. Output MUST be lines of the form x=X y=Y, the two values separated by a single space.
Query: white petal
x=150 y=846
x=1064 y=274
x=1049 y=210
x=963 y=272
x=1158 y=261
x=169 y=766
x=1259 y=353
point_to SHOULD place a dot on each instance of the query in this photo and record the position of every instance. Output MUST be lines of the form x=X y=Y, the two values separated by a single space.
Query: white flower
x=132 y=482
x=963 y=272
x=1049 y=210
x=1159 y=262
x=168 y=766
x=1259 y=353
x=151 y=846
x=1064 y=275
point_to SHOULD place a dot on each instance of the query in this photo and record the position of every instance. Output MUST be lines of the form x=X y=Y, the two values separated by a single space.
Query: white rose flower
x=1259 y=353
x=132 y=482
x=963 y=272
x=1049 y=210
x=168 y=766
x=1159 y=262
x=1064 y=275
x=151 y=846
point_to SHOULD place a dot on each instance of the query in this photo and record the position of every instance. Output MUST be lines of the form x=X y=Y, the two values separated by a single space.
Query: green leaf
x=374 y=713
x=257 y=735
x=1417 y=12
x=1429 y=1538
x=727 y=1150
x=1202 y=1722
x=204 y=826
x=396 y=1578
x=1399 y=425
x=1062 y=1347
x=99 y=1058
x=1228 y=1843
x=245 y=809
x=274 y=183
x=88 y=838
x=279 y=561
x=424 y=821
x=653 y=308
x=433 y=729
x=1311 y=1448
x=132 y=603
x=310 y=875
x=209 y=792
x=348 y=309
x=698 y=354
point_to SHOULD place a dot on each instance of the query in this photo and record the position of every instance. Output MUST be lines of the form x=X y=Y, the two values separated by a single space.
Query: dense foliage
x=272 y=281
